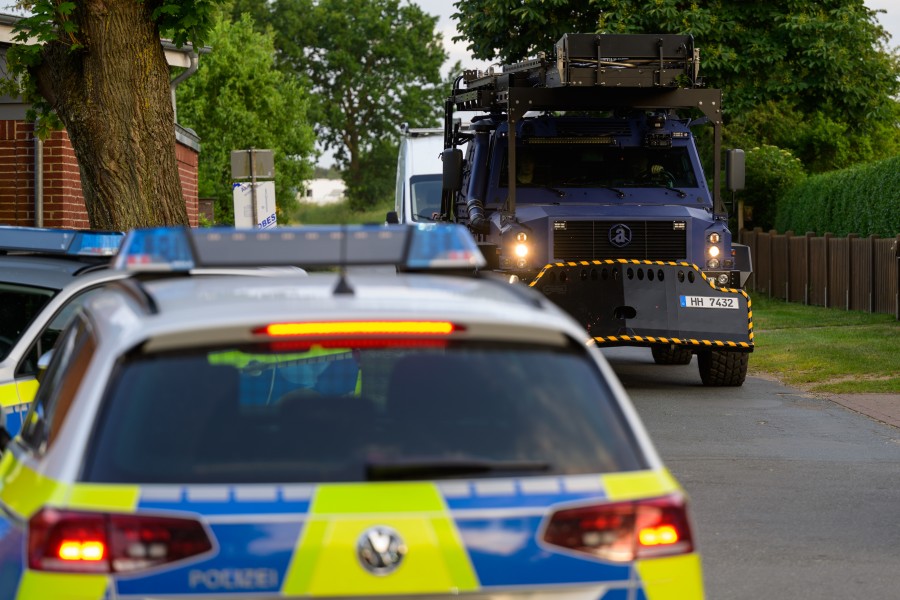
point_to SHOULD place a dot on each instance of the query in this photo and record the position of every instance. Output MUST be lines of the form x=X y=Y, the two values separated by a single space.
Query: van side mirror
x=452 y=159
x=735 y=170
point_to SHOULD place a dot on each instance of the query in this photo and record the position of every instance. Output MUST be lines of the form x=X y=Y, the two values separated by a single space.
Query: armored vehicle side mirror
x=392 y=218
x=452 y=159
x=734 y=170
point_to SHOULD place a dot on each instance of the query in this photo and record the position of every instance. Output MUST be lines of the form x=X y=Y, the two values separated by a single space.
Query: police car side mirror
x=392 y=218
x=43 y=363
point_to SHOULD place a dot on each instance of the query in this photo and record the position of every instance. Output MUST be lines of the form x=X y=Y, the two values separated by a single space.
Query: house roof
x=175 y=56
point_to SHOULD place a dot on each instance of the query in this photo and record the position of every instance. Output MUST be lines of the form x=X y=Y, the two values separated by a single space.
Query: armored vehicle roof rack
x=627 y=60
x=614 y=61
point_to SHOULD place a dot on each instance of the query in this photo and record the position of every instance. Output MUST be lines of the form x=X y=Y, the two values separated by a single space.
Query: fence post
x=850 y=287
x=872 y=286
x=787 y=261
x=897 y=281
x=827 y=266
x=809 y=236
x=756 y=232
x=772 y=234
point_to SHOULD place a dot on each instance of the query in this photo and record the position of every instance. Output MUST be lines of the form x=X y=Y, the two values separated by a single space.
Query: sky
x=444 y=8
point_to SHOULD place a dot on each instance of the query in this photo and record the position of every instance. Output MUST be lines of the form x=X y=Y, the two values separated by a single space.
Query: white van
x=419 y=175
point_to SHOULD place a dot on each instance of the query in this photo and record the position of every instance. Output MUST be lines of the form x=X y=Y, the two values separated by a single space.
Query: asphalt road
x=793 y=496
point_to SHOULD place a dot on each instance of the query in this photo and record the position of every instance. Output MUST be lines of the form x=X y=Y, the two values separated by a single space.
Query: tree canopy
x=373 y=65
x=824 y=62
x=100 y=68
x=238 y=100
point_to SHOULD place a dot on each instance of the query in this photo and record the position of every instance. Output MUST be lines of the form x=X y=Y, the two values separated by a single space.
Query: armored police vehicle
x=582 y=178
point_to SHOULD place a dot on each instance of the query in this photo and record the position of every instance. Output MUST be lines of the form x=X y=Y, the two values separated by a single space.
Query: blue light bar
x=66 y=242
x=421 y=247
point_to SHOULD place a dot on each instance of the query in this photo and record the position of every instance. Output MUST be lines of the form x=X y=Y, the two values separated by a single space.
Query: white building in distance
x=323 y=191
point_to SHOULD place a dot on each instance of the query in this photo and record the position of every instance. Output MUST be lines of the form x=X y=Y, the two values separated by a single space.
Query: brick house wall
x=63 y=201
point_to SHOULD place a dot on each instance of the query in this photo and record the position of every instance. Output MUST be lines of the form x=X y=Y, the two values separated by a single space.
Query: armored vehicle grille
x=593 y=240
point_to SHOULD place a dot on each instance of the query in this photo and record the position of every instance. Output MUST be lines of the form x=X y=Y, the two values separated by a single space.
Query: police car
x=44 y=275
x=353 y=433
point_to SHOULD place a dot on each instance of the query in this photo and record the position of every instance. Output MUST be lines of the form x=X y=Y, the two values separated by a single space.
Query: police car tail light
x=624 y=531
x=84 y=542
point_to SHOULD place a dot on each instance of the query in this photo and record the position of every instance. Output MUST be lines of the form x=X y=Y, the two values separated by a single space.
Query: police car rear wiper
x=439 y=468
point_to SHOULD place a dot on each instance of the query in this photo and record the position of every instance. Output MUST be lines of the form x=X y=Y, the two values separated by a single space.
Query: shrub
x=864 y=199
x=771 y=171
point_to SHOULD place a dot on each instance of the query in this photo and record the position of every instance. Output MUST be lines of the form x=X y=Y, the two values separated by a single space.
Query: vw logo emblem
x=380 y=550
x=619 y=235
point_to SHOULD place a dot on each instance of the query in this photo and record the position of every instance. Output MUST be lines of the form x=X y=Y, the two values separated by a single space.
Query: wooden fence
x=853 y=272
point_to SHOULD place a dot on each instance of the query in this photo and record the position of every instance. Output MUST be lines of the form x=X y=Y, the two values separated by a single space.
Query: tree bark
x=114 y=99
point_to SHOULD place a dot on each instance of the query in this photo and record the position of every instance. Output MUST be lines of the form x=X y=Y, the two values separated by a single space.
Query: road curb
x=881 y=407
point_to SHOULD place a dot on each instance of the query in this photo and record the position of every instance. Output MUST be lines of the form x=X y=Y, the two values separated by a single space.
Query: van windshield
x=426 y=196
x=397 y=412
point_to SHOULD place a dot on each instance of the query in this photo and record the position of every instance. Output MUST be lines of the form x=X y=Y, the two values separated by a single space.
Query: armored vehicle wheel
x=722 y=368
x=671 y=355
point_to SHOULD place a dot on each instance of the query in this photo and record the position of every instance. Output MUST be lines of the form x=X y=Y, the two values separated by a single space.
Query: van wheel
x=671 y=355
x=722 y=368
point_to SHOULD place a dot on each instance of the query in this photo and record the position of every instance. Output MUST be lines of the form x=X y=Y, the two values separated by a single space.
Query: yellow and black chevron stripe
x=611 y=339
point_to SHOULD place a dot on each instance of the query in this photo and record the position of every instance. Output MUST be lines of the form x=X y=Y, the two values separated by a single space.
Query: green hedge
x=863 y=200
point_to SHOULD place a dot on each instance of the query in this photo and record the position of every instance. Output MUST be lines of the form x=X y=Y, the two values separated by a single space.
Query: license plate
x=708 y=302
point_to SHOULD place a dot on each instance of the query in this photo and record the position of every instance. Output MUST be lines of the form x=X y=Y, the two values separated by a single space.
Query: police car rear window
x=250 y=415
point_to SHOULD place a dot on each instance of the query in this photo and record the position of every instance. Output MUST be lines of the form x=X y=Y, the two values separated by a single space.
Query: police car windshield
x=251 y=415
x=19 y=304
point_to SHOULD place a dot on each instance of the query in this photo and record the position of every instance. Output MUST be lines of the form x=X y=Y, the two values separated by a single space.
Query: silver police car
x=415 y=432
x=44 y=275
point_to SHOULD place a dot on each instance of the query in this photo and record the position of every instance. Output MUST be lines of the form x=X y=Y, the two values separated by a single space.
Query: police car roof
x=50 y=272
x=50 y=258
x=173 y=304
x=182 y=309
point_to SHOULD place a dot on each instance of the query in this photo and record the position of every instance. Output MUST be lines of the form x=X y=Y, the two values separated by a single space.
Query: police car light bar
x=408 y=247
x=66 y=242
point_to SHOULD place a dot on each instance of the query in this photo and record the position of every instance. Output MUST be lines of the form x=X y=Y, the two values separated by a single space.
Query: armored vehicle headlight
x=713 y=251
x=713 y=263
x=521 y=250
x=714 y=238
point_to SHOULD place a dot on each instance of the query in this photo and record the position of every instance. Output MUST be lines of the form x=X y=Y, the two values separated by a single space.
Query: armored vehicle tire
x=671 y=355
x=722 y=368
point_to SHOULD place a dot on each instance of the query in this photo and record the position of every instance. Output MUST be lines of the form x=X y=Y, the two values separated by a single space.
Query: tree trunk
x=114 y=99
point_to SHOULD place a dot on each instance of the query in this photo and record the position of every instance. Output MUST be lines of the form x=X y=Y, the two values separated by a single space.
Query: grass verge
x=826 y=349
x=338 y=214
